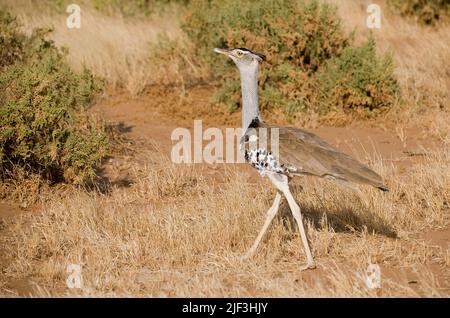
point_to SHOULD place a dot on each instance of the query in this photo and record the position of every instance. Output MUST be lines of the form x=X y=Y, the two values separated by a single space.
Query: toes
x=308 y=266
x=246 y=256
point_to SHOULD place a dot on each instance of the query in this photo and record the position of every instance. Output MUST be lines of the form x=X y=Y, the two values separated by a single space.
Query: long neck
x=249 y=88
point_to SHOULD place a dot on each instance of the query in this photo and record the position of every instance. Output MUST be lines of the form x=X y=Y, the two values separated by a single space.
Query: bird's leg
x=298 y=217
x=281 y=182
x=270 y=215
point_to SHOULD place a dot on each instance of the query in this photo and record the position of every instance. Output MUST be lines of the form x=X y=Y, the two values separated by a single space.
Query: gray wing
x=305 y=153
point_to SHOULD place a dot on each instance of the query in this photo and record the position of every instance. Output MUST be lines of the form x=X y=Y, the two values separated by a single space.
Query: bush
x=43 y=126
x=302 y=41
x=357 y=80
x=11 y=41
x=428 y=12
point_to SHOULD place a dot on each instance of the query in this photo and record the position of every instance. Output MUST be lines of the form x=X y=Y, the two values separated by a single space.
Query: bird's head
x=243 y=58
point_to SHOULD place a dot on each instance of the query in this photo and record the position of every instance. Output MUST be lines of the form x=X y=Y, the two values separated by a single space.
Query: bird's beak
x=222 y=51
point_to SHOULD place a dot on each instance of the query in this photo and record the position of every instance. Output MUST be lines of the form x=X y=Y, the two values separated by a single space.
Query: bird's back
x=303 y=153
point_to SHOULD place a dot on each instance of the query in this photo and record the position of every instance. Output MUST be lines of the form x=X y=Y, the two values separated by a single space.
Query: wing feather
x=311 y=155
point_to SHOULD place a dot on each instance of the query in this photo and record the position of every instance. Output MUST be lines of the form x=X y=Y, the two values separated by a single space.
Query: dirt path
x=154 y=116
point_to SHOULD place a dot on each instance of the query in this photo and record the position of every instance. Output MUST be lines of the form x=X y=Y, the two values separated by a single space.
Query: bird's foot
x=248 y=255
x=309 y=265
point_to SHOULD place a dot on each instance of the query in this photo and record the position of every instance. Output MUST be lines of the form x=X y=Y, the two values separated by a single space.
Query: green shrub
x=11 y=41
x=305 y=34
x=43 y=125
x=357 y=79
x=301 y=39
x=428 y=12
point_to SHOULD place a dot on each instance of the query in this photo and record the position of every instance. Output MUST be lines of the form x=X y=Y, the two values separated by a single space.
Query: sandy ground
x=152 y=119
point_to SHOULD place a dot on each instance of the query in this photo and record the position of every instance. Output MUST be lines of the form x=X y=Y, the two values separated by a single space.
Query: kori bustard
x=299 y=152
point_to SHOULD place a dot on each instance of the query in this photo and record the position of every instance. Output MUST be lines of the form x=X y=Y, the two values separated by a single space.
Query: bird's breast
x=263 y=161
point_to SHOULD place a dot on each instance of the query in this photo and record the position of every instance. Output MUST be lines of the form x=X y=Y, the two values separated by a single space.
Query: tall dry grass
x=113 y=47
x=175 y=232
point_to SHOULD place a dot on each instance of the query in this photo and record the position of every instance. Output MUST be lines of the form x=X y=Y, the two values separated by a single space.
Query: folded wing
x=304 y=153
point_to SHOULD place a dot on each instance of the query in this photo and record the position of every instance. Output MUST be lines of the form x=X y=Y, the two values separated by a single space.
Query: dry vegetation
x=420 y=56
x=168 y=230
x=155 y=239
x=111 y=46
x=125 y=51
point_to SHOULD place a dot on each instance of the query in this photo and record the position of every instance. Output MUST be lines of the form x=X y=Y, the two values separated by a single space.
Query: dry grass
x=111 y=46
x=176 y=233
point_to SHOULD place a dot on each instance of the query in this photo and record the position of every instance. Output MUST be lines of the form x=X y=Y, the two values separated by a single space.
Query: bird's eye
x=239 y=53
